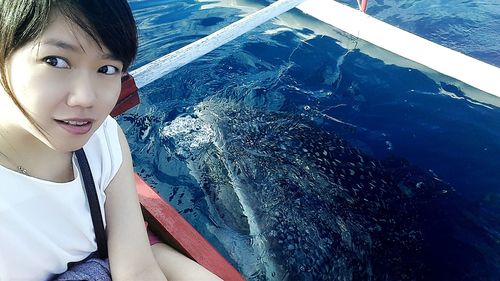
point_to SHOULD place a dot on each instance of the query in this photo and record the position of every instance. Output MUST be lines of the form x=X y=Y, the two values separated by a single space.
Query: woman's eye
x=56 y=62
x=108 y=70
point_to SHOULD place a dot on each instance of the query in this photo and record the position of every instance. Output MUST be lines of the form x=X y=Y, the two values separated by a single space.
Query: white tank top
x=45 y=225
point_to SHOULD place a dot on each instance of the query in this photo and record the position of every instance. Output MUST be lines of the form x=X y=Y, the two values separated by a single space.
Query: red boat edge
x=174 y=230
x=163 y=219
x=129 y=96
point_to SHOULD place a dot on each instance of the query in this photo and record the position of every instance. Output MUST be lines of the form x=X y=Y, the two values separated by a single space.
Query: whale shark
x=308 y=205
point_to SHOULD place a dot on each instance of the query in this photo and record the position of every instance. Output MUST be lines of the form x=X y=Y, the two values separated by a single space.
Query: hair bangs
x=108 y=23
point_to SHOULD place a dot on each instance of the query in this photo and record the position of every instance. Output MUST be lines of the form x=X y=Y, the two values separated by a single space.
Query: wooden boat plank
x=173 y=229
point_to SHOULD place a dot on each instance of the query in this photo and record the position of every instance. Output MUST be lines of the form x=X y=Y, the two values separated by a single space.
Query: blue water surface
x=302 y=153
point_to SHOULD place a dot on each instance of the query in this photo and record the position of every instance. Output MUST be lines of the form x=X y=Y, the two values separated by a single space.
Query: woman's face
x=66 y=82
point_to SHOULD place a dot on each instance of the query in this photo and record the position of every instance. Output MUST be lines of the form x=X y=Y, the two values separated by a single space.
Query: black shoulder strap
x=95 y=209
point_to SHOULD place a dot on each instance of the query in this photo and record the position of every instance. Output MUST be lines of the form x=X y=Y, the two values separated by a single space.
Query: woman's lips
x=76 y=126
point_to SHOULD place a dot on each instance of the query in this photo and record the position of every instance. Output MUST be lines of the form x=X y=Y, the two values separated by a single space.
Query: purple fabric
x=90 y=269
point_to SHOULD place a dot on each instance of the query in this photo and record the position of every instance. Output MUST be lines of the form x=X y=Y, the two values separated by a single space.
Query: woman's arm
x=130 y=254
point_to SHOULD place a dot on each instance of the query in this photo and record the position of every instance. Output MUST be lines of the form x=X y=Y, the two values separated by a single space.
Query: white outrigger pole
x=471 y=71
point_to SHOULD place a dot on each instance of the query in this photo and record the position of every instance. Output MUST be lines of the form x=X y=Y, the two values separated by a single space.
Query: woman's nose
x=83 y=92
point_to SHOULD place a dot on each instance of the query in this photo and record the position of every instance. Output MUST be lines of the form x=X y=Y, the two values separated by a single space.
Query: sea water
x=302 y=153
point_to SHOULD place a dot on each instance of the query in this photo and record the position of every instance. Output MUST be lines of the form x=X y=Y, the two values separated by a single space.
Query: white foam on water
x=188 y=133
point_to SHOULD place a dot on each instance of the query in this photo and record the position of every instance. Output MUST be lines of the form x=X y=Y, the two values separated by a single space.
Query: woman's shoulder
x=104 y=152
x=106 y=134
x=108 y=127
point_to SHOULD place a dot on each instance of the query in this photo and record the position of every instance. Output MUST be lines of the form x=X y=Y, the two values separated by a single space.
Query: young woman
x=61 y=63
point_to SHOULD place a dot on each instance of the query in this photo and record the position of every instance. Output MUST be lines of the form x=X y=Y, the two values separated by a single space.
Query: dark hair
x=109 y=23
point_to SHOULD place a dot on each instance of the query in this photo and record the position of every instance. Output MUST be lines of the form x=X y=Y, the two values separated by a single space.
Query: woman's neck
x=20 y=148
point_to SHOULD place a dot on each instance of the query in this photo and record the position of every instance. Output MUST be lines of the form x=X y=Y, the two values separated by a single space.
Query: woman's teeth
x=76 y=123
